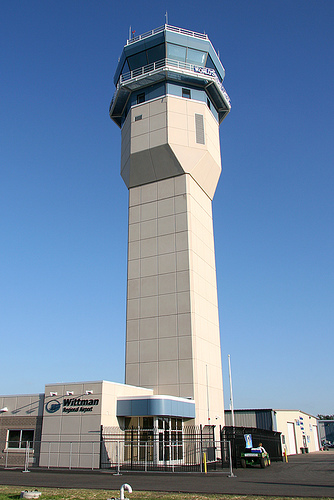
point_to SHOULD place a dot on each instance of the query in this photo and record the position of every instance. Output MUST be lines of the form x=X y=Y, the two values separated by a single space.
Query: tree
x=325 y=417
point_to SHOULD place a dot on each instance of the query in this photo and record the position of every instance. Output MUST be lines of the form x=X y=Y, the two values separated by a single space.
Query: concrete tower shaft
x=169 y=101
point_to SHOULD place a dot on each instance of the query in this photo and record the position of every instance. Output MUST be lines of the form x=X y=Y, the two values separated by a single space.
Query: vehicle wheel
x=243 y=463
x=262 y=463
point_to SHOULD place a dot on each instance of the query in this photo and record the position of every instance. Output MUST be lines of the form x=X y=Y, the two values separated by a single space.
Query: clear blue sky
x=63 y=204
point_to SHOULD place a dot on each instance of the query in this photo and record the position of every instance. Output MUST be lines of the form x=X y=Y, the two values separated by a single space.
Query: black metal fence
x=270 y=440
x=192 y=449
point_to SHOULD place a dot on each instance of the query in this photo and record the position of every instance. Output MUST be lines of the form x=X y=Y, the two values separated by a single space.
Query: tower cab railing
x=167 y=27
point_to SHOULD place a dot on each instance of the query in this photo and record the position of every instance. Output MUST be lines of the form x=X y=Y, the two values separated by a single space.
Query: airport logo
x=74 y=405
x=52 y=406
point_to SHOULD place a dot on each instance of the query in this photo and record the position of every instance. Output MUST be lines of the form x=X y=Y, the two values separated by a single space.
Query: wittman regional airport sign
x=72 y=405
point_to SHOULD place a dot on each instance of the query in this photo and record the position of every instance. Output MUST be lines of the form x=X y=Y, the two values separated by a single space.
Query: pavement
x=308 y=475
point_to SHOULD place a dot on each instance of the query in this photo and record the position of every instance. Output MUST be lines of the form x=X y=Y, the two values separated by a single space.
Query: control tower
x=169 y=103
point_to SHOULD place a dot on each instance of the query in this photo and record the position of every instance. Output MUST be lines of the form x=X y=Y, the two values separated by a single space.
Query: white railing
x=167 y=27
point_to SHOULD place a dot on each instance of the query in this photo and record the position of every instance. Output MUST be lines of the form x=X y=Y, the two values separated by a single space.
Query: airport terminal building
x=73 y=425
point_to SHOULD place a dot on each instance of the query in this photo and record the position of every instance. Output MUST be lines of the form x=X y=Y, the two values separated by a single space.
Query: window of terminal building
x=186 y=93
x=18 y=439
x=141 y=98
x=208 y=103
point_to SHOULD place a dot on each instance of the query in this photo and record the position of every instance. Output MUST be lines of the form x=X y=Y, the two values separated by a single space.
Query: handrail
x=167 y=27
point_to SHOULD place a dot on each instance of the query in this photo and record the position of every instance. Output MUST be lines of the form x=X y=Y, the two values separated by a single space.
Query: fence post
x=6 y=455
x=145 y=456
x=229 y=450
x=26 y=461
x=49 y=454
x=117 y=457
x=70 y=464
x=201 y=448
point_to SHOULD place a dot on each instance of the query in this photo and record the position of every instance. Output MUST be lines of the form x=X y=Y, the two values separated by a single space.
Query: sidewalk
x=310 y=475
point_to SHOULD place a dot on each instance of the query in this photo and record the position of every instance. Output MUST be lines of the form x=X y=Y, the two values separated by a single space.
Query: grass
x=13 y=493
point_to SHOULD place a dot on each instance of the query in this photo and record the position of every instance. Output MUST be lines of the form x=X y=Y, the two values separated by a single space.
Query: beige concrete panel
x=139 y=127
x=149 y=211
x=149 y=328
x=168 y=349
x=167 y=326
x=186 y=371
x=165 y=163
x=141 y=168
x=185 y=347
x=183 y=281
x=148 y=247
x=140 y=109
x=140 y=143
x=167 y=283
x=149 y=266
x=71 y=424
x=167 y=263
x=167 y=304
x=90 y=425
x=133 y=269
x=196 y=107
x=134 y=288
x=132 y=352
x=177 y=136
x=148 y=307
x=91 y=461
x=149 y=192
x=157 y=138
x=149 y=229
x=166 y=225
x=180 y=204
x=184 y=324
x=134 y=232
x=180 y=185
x=183 y=302
x=132 y=374
x=182 y=261
x=126 y=125
x=166 y=207
x=181 y=241
x=134 y=250
x=169 y=389
x=186 y=156
x=158 y=106
x=132 y=330
x=168 y=372
x=181 y=222
x=166 y=188
x=133 y=308
x=177 y=104
x=134 y=214
x=158 y=121
x=149 y=286
x=51 y=425
x=148 y=374
x=166 y=244
x=187 y=391
x=177 y=120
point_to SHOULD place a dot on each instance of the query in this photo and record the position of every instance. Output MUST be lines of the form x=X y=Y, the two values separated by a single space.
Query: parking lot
x=310 y=475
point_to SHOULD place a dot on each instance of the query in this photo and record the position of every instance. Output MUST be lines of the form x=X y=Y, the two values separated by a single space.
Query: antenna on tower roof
x=166 y=17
